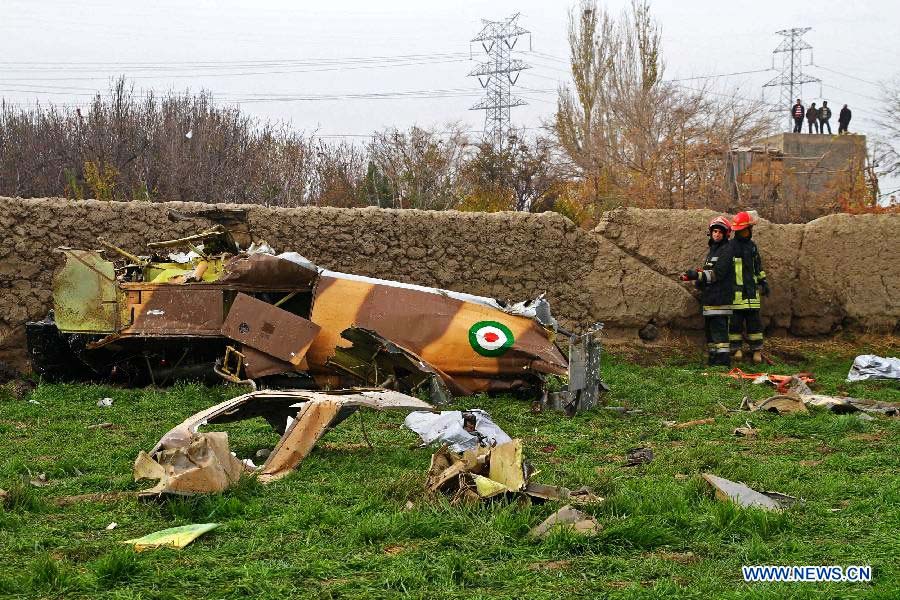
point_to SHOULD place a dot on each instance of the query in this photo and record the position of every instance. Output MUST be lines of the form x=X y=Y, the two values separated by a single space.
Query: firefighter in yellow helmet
x=749 y=284
x=716 y=284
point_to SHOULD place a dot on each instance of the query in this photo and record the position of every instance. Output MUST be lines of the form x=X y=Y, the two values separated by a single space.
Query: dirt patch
x=550 y=565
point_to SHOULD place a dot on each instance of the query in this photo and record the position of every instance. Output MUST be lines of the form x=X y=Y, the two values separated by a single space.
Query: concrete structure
x=797 y=177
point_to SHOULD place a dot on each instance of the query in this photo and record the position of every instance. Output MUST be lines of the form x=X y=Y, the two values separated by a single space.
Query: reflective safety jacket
x=748 y=272
x=716 y=280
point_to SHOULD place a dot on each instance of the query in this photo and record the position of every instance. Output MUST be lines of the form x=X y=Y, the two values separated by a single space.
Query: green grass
x=338 y=528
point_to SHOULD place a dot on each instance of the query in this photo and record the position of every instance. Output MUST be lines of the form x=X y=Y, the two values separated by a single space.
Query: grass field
x=338 y=527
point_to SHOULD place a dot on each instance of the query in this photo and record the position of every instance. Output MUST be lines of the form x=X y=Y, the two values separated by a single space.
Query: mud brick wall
x=836 y=272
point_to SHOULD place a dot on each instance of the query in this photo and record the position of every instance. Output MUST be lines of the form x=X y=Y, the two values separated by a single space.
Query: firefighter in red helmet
x=716 y=284
x=749 y=284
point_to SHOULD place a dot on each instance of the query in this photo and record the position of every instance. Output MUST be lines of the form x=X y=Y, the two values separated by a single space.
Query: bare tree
x=421 y=167
x=635 y=138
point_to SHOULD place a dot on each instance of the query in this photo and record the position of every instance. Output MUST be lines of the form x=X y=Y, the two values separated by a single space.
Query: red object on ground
x=779 y=381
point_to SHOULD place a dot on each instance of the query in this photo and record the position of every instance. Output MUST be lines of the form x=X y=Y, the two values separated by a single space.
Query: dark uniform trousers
x=716 y=328
x=745 y=319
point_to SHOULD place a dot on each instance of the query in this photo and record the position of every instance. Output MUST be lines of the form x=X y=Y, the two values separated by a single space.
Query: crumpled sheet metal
x=313 y=412
x=745 y=496
x=870 y=366
x=204 y=465
x=569 y=518
x=488 y=472
x=446 y=427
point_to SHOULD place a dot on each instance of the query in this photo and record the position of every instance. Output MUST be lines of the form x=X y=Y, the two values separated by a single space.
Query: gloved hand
x=764 y=286
x=690 y=275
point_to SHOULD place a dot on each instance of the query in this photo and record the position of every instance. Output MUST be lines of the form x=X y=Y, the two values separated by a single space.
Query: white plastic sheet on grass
x=447 y=428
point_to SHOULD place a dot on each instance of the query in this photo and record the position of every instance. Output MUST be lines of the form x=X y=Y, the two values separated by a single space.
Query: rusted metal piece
x=166 y=311
x=85 y=294
x=298 y=441
x=270 y=329
x=426 y=338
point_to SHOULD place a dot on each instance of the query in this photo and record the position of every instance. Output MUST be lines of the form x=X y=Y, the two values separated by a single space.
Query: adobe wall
x=838 y=271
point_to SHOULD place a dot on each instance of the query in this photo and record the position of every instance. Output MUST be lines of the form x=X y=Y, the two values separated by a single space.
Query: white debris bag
x=869 y=366
x=447 y=427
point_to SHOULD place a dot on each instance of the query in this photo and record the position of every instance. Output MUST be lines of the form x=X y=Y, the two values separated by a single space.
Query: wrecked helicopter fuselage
x=253 y=315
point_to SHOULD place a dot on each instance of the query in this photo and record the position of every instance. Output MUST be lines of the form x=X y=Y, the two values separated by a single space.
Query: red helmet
x=742 y=220
x=722 y=222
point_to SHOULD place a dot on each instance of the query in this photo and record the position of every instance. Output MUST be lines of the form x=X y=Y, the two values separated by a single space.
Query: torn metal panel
x=782 y=405
x=205 y=465
x=312 y=413
x=507 y=465
x=268 y=272
x=298 y=441
x=567 y=517
x=376 y=361
x=742 y=495
x=85 y=298
x=270 y=329
x=585 y=384
x=168 y=311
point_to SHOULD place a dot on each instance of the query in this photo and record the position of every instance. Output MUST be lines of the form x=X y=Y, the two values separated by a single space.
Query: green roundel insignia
x=490 y=338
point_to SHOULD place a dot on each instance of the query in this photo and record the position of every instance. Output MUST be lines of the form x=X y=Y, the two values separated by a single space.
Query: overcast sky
x=318 y=64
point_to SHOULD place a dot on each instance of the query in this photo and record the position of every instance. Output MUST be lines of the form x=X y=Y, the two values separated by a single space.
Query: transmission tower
x=792 y=75
x=498 y=38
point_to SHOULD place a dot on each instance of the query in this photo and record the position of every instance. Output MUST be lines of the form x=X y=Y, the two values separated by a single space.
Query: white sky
x=62 y=51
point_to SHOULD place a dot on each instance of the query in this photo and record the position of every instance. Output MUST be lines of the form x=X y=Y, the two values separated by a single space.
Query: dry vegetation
x=621 y=135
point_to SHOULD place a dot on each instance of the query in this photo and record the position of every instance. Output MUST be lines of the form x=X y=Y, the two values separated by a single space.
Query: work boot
x=738 y=355
x=757 y=357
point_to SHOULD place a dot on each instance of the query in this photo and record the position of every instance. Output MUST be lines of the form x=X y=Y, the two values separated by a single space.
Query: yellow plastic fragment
x=487 y=487
x=174 y=537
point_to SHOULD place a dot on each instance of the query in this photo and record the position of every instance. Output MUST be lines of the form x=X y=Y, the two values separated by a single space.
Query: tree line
x=621 y=134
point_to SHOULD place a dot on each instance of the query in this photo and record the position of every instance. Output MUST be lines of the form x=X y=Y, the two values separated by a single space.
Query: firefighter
x=716 y=284
x=749 y=283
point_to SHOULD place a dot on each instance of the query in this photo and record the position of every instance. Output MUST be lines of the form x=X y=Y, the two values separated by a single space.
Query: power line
x=836 y=72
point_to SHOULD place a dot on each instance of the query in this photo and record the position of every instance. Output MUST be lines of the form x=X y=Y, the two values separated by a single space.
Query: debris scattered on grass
x=484 y=472
x=779 y=381
x=570 y=518
x=174 y=537
x=101 y=426
x=746 y=431
x=40 y=480
x=687 y=424
x=186 y=461
x=105 y=402
x=112 y=526
x=745 y=496
x=638 y=456
x=781 y=405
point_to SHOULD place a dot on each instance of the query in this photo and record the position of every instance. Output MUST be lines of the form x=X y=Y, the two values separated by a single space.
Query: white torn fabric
x=447 y=428
x=869 y=366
